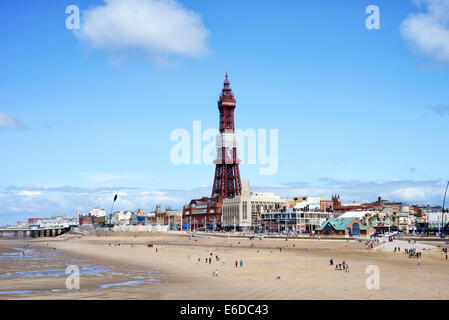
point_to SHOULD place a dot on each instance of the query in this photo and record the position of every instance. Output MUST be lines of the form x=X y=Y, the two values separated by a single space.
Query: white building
x=97 y=212
x=244 y=212
x=121 y=218
x=433 y=218
x=309 y=204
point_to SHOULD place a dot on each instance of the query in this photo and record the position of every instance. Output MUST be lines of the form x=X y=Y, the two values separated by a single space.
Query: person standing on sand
x=216 y=272
x=419 y=261
x=236 y=263
x=241 y=263
x=347 y=267
x=223 y=260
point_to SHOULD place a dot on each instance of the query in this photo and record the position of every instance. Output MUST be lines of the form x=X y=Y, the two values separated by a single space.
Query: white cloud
x=30 y=193
x=8 y=122
x=98 y=177
x=159 y=28
x=413 y=192
x=429 y=31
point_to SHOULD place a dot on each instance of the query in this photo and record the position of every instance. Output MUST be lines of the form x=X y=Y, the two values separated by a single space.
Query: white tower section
x=226 y=144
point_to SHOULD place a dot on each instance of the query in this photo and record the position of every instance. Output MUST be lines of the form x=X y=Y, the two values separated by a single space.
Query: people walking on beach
x=223 y=260
x=347 y=268
x=236 y=263
x=210 y=260
x=241 y=263
x=419 y=262
x=331 y=262
x=216 y=272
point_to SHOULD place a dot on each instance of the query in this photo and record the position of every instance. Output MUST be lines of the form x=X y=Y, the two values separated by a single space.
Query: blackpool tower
x=227 y=176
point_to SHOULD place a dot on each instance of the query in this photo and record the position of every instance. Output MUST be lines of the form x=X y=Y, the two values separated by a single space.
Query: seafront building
x=308 y=203
x=244 y=212
x=97 y=212
x=293 y=220
x=120 y=218
x=66 y=221
x=348 y=227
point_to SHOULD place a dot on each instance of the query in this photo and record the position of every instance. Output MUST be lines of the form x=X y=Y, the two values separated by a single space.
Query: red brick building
x=203 y=213
x=85 y=219
x=325 y=204
x=377 y=205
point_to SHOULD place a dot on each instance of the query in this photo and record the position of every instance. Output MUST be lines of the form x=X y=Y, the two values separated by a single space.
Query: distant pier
x=31 y=233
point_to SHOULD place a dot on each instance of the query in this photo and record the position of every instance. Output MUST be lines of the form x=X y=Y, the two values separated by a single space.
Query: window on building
x=245 y=211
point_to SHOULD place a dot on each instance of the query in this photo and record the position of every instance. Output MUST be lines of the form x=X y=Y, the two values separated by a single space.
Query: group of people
x=340 y=266
x=370 y=243
x=208 y=260
x=413 y=253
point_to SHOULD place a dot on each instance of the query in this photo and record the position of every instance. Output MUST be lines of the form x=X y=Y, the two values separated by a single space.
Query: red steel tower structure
x=227 y=181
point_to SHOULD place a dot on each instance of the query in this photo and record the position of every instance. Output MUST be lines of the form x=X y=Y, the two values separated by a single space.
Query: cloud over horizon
x=8 y=122
x=158 y=28
x=30 y=201
x=428 y=31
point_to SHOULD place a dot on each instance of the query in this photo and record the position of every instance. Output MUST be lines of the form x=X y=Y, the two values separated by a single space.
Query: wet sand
x=303 y=269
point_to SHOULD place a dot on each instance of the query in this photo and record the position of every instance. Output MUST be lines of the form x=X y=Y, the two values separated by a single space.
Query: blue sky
x=359 y=112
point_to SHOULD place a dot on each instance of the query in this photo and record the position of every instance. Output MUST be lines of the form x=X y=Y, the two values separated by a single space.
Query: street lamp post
x=442 y=213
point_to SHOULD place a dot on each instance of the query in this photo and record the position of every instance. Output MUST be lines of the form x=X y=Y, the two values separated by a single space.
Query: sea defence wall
x=31 y=233
x=150 y=228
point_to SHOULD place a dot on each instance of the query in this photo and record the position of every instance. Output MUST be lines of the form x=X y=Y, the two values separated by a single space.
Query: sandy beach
x=300 y=271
